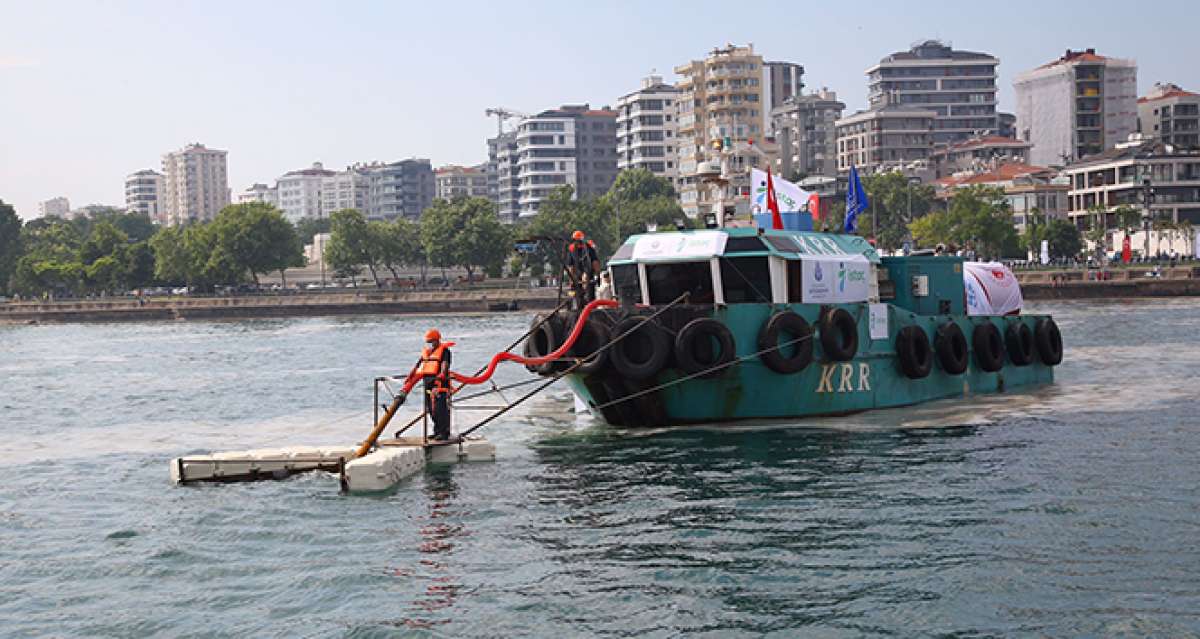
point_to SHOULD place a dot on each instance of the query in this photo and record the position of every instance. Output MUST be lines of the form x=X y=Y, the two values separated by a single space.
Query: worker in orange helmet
x=583 y=268
x=434 y=369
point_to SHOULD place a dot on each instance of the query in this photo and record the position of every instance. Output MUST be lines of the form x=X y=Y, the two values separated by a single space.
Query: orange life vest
x=431 y=361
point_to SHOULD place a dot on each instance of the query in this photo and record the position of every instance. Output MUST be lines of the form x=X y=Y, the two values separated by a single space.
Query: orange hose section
x=528 y=361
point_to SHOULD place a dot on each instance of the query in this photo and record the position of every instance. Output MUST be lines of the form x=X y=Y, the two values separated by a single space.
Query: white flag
x=1045 y=252
x=792 y=199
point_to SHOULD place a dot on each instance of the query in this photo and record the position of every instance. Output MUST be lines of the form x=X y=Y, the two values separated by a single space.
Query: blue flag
x=856 y=200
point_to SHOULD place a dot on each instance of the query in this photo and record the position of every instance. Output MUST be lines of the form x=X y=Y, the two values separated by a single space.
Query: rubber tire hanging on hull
x=951 y=347
x=693 y=348
x=1019 y=340
x=914 y=352
x=1049 y=341
x=797 y=330
x=543 y=341
x=643 y=352
x=592 y=338
x=989 y=347
x=839 y=335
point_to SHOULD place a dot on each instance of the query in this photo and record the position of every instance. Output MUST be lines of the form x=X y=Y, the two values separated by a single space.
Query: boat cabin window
x=626 y=283
x=795 y=283
x=746 y=279
x=669 y=281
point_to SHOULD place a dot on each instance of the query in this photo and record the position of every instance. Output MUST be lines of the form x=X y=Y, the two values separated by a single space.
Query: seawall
x=364 y=302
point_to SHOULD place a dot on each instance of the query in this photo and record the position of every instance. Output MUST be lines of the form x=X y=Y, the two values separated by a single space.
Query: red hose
x=528 y=361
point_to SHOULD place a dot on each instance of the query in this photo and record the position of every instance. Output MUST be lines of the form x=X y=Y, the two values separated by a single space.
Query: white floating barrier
x=383 y=468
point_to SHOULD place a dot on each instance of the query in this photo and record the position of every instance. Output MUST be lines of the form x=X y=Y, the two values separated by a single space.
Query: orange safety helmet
x=433 y=335
x=577 y=235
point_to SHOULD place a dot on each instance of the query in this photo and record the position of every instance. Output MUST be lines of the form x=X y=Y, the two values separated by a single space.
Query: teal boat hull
x=748 y=389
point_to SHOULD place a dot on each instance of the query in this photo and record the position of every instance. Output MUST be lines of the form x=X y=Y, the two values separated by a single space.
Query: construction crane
x=503 y=114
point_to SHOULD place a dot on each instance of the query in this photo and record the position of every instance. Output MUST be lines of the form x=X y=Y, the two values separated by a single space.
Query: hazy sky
x=91 y=91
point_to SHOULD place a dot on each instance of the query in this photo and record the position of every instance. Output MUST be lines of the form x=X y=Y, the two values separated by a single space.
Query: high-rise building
x=502 y=152
x=259 y=192
x=1170 y=114
x=349 y=189
x=142 y=192
x=461 y=181
x=958 y=86
x=574 y=145
x=400 y=189
x=1078 y=105
x=195 y=184
x=781 y=81
x=888 y=138
x=646 y=129
x=54 y=207
x=300 y=192
x=805 y=128
x=720 y=104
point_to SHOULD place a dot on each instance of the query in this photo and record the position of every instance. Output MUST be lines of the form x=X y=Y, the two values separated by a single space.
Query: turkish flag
x=814 y=207
x=773 y=203
x=1126 y=251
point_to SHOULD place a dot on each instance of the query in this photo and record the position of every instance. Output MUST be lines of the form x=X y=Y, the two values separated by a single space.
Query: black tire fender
x=642 y=349
x=1018 y=338
x=839 y=335
x=691 y=351
x=593 y=337
x=914 y=352
x=545 y=339
x=793 y=328
x=989 y=347
x=950 y=345
x=1049 y=341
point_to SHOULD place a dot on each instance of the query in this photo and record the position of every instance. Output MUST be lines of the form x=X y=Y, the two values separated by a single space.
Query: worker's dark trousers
x=437 y=405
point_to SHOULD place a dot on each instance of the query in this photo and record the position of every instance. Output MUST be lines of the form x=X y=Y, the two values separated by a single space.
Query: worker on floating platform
x=434 y=368
x=583 y=268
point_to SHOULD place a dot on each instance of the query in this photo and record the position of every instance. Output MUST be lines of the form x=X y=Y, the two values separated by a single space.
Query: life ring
x=914 y=353
x=989 y=348
x=950 y=345
x=1019 y=339
x=839 y=335
x=1049 y=341
x=797 y=335
x=643 y=351
x=592 y=338
x=544 y=339
x=694 y=347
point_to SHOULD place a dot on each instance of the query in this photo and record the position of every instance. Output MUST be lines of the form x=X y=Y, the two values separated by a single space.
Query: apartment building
x=978 y=154
x=400 y=189
x=781 y=82
x=1170 y=114
x=503 y=156
x=889 y=138
x=461 y=181
x=1125 y=176
x=142 y=192
x=1076 y=106
x=1035 y=194
x=646 y=128
x=259 y=192
x=195 y=184
x=959 y=87
x=805 y=127
x=348 y=189
x=574 y=145
x=54 y=207
x=300 y=192
x=721 y=111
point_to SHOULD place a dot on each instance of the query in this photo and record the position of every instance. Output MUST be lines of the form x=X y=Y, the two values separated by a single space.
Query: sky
x=93 y=91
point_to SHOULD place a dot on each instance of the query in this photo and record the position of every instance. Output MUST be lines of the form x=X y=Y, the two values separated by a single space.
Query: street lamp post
x=1147 y=200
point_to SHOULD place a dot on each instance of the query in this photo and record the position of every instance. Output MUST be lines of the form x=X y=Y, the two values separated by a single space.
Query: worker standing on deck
x=583 y=266
x=435 y=370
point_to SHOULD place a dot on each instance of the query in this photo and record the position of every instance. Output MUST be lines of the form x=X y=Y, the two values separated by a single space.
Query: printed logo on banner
x=817 y=272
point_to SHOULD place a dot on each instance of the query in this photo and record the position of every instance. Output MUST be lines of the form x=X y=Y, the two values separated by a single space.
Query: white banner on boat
x=879 y=321
x=991 y=289
x=668 y=247
x=825 y=280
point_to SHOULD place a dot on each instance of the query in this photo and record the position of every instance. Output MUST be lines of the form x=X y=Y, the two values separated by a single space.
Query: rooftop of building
x=988 y=141
x=316 y=170
x=1002 y=172
x=890 y=110
x=145 y=172
x=454 y=168
x=935 y=50
x=1137 y=148
x=577 y=110
x=1163 y=91
x=1078 y=57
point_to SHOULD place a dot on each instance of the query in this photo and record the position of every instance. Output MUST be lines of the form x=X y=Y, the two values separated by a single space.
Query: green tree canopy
x=255 y=238
x=352 y=245
x=978 y=217
x=10 y=244
x=889 y=195
x=1062 y=238
x=307 y=227
x=464 y=232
